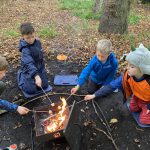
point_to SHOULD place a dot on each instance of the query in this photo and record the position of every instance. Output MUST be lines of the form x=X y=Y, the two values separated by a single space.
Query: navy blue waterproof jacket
x=100 y=73
x=32 y=64
x=109 y=88
x=7 y=105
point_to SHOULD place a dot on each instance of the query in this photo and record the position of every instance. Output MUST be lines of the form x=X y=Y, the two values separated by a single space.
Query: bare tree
x=98 y=5
x=115 y=16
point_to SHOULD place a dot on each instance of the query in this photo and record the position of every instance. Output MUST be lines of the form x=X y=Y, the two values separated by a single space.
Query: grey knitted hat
x=140 y=58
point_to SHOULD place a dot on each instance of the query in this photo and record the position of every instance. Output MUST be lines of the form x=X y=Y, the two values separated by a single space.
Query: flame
x=57 y=121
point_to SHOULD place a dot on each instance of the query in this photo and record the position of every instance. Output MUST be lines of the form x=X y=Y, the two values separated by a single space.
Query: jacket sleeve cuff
x=80 y=83
x=8 y=106
x=103 y=91
x=15 y=107
x=34 y=75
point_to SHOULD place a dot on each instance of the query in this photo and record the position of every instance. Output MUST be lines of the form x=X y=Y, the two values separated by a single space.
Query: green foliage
x=131 y=38
x=48 y=32
x=80 y=8
x=80 y=26
x=10 y=33
x=141 y=36
x=76 y=4
x=134 y=18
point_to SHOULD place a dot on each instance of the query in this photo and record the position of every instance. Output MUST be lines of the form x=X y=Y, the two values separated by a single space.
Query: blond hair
x=104 y=46
x=3 y=63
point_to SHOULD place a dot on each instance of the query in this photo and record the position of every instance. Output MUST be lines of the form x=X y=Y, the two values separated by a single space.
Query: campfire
x=57 y=120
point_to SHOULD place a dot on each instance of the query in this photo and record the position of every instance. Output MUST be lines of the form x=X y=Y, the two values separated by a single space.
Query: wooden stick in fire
x=66 y=107
x=46 y=94
x=40 y=111
x=69 y=97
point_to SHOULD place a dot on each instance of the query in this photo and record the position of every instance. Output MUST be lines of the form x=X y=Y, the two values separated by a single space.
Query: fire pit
x=58 y=121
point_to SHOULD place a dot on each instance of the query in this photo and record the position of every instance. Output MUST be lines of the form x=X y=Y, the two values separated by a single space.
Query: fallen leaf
x=94 y=134
x=22 y=146
x=86 y=124
x=136 y=140
x=18 y=125
x=113 y=120
x=82 y=110
x=62 y=57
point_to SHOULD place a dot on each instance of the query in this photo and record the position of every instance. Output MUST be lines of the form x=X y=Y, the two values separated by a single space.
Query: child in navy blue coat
x=32 y=75
x=101 y=69
x=3 y=103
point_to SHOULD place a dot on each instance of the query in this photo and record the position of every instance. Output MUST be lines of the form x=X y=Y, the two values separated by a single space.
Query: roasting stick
x=69 y=97
x=56 y=114
x=40 y=111
x=46 y=94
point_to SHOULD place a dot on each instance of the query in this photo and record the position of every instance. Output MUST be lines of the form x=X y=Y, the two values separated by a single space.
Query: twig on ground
x=109 y=135
x=100 y=130
x=139 y=129
x=103 y=116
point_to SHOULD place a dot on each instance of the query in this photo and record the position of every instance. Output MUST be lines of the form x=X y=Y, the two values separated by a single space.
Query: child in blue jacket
x=135 y=83
x=101 y=69
x=3 y=103
x=32 y=76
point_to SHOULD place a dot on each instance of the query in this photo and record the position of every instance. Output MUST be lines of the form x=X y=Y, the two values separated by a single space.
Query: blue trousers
x=27 y=84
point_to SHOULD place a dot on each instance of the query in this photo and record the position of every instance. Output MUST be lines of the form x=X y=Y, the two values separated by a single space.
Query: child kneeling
x=101 y=69
x=135 y=83
x=32 y=76
x=3 y=103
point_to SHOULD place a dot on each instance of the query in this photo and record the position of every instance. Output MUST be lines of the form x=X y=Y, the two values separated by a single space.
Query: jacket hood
x=22 y=44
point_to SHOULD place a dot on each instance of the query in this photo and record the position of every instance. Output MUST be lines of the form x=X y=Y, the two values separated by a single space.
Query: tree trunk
x=98 y=5
x=115 y=16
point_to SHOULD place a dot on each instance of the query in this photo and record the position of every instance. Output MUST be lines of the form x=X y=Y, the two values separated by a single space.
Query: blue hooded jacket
x=7 y=105
x=32 y=64
x=31 y=57
x=100 y=73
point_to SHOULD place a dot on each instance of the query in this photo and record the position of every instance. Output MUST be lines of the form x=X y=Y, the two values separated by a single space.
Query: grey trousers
x=93 y=87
